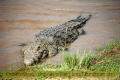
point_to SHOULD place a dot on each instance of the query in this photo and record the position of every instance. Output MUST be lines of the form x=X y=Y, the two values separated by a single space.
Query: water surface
x=20 y=20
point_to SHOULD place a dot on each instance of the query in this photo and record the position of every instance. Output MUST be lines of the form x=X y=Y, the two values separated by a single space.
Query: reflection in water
x=20 y=20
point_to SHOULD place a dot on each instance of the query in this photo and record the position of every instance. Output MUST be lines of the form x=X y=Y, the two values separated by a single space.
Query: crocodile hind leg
x=52 y=51
x=72 y=35
x=81 y=32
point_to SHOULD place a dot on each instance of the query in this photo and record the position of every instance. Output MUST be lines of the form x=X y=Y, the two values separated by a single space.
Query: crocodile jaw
x=28 y=59
x=28 y=62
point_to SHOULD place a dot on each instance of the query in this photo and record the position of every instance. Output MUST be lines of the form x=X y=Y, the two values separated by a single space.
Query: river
x=20 y=20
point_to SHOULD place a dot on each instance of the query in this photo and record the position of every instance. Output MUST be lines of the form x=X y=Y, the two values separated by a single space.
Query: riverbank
x=20 y=20
x=107 y=60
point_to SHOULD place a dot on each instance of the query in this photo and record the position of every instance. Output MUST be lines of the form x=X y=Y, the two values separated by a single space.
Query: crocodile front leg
x=52 y=48
x=81 y=31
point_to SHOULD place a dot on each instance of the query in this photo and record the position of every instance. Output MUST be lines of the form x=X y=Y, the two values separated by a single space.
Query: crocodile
x=51 y=40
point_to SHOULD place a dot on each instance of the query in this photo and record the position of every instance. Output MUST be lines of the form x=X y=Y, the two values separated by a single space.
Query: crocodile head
x=33 y=53
x=39 y=48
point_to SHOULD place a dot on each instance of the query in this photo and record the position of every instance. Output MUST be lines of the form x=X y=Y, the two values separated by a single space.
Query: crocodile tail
x=85 y=16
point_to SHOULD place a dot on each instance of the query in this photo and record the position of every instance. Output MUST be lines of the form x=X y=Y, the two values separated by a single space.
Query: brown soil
x=114 y=53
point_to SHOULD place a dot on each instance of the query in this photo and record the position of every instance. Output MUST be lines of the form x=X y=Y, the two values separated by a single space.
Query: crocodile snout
x=28 y=62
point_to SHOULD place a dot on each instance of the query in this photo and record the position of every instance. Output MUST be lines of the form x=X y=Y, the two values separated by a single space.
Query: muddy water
x=20 y=20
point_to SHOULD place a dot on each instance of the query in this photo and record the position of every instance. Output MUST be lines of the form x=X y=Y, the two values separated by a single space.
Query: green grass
x=85 y=62
x=107 y=64
x=72 y=61
x=111 y=45
x=40 y=79
x=99 y=48
x=107 y=61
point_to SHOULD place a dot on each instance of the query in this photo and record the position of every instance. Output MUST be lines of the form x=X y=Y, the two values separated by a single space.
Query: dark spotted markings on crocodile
x=51 y=40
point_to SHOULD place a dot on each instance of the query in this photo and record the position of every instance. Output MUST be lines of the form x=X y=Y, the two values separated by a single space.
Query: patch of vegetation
x=112 y=45
x=108 y=60
x=85 y=62
x=99 y=48
x=40 y=79
x=70 y=61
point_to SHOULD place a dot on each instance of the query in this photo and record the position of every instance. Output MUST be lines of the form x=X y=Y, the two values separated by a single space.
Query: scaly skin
x=50 y=41
x=46 y=46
